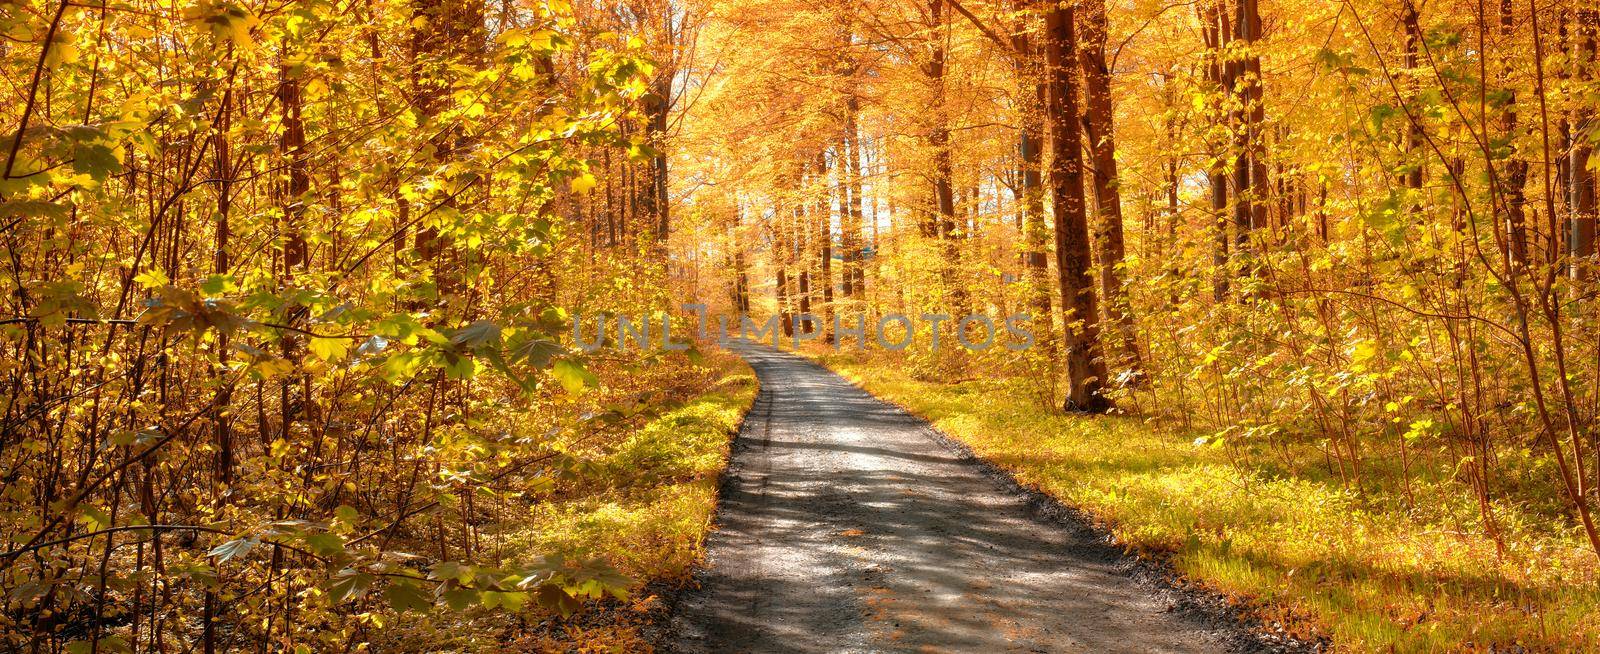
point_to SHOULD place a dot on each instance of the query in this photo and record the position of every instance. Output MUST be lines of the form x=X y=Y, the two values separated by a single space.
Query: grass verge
x=643 y=501
x=1301 y=548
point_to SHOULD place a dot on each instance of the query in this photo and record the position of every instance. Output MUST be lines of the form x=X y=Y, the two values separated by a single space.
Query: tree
x=1581 y=202
x=943 y=219
x=1100 y=130
x=1243 y=77
x=1085 y=364
x=1031 y=99
x=1217 y=32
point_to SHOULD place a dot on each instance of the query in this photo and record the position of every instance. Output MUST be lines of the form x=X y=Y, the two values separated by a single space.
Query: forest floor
x=848 y=525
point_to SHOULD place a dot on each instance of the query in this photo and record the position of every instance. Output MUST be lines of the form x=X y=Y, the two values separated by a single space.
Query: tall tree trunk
x=874 y=168
x=628 y=198
x=850 y=215
x=741 y=284
x=1411 y=177
x=222 y=170
x=292 y=146
x=1215 y=30
x=1172 y=169
x=1250 y=166
x=943 y=169
x=785 y=318
x=1086 y=367
x=825 y=246
x=1581 y=246
x=656 y=201
x=803 y=228
x=1099 y=127
x=857 y=201
x=653 y=197
x=1030 y=144
x=612 y=210
x=222 y=424
x=782 y=249
x=741 y=269
x=1514 y=180
x=1561 y=242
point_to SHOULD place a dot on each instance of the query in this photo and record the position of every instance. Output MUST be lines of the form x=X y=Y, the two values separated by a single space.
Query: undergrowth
x=643 y=502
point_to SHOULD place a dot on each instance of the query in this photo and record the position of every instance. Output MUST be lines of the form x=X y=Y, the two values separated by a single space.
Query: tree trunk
x=779 y=233
x=222 y=425
x=1250 y=166
x=1172 y=169
x=1030 y=142
x=222 y=169
x=653 y=198
x=1214 y=29
x=850 y=215
x=1515 y=177
x=943 y=169
x=292 y=146
x=803 y=276
x=825 y=247
x=1098 y=125
x=741 y=272
x=1412 y=175
x=656 y=199
x=785 y=318
x=1582 y=202
x=741 y=284
x=1086 y=367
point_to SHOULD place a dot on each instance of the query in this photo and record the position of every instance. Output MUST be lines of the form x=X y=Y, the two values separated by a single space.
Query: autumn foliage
x=289 y=286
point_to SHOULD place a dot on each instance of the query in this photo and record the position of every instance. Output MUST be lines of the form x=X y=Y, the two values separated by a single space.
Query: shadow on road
x=845 y=526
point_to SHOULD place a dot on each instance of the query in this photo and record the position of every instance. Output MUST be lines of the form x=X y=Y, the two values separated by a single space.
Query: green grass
x=660 y=489
x=1300 y=547
x=643 y=502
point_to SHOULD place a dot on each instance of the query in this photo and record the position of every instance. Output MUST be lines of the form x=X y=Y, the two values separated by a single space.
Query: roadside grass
x=643 y=501
x=651 y=516
x=1291 y=541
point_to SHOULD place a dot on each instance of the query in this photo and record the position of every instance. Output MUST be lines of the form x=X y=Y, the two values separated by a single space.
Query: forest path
x=846 y=525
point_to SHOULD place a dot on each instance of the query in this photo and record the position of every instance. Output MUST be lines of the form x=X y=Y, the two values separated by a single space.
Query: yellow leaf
x=152 y=278
x=62 y=51
x=584 y=183
x=329 y=349
x=270 y=368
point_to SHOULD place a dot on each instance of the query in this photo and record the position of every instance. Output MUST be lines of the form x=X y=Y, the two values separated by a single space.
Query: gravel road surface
x=846 y=525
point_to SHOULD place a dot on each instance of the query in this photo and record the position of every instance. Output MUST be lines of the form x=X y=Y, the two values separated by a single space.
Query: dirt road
x=846 y=526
